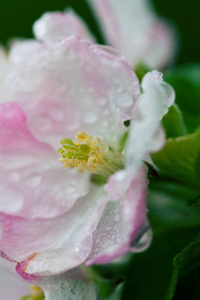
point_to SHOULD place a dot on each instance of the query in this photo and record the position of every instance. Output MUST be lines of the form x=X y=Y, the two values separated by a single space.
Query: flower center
x=89 y=154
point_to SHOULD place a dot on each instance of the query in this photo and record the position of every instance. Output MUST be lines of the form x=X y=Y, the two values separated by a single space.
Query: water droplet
x=102 y=102
x=106 y=112
x=9 y=206
x=14 y=176
x=72 y=182
x=69 y=190
x=89 y=118
x=106 y=51
x=118 y=240
x=56 y=114
x=143 y=240
x=33 y=181
x=42 y=123
x=55 y=188
x=117 y=218
x=120 y=176
x=105 y=123
x=124 y=100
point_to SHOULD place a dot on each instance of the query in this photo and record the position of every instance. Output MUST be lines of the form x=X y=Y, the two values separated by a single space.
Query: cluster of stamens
x=89 y=154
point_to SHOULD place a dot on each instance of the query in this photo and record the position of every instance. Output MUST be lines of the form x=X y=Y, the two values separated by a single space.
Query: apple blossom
x=52 y=219
x=132 y=27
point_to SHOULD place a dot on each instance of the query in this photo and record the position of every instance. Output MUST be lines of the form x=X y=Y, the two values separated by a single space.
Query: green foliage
x=173 y=122
x=186 y=82
x=180 y=159
x=153 y=274
x=141 y=69
x=168 y=205
x=194 y=202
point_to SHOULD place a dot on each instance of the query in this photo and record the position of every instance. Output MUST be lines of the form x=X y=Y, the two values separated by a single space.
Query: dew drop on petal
x=124 y=100
x=33 y=181
x=106 y=112
x=117 y=218
x=102 y=102
x=42 y=124
x=89 y=118
x=56 y=114
x=9 y=206
x=120 y=176
x=69 y=190
x=55 y=188
x=143 y=242
x=14 y=176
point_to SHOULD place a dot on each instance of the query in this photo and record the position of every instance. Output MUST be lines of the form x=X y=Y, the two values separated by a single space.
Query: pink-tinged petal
x=52 y=27
x=33 y=183
x=12 y=288
x=132 y=27
x=73 y=86
x=123 y=223
x=118 y=184
x=56 y=245
x=162 y=46
x=152 y=105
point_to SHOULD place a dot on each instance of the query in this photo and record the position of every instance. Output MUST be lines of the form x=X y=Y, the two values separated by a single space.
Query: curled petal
x=123 y=223
x=152 y=105
x=56 y=245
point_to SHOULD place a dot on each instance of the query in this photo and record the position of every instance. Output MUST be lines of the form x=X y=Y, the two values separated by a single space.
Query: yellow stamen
x=36 y=290
x=36 y=293
x=89 y=154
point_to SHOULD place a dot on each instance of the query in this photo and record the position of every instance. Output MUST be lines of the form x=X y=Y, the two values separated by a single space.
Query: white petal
x=132 y=27
x=73 y=86
x=52 y=27
x=152 y=106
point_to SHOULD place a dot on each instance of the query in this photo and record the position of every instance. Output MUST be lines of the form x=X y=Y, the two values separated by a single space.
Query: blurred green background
x=17 y=17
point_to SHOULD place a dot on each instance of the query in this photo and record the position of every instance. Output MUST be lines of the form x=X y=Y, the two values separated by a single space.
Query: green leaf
x=180 y=159
x=168 y=205
x=108 y=278
x=188 y=287
x=183 y=263
x=186 y=82
x=141 y=69
x=194 y=202
x=173 y=122
x=154 y=273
